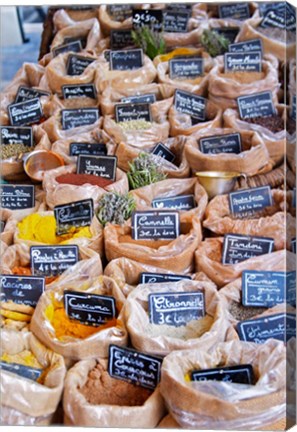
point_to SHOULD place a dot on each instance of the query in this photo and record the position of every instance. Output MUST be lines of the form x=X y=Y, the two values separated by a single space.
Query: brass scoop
x=218 y=182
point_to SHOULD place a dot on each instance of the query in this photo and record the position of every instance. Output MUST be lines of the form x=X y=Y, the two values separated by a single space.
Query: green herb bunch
x=144 y=170
x=150 y=41
x=115 y=208
x=214 y=43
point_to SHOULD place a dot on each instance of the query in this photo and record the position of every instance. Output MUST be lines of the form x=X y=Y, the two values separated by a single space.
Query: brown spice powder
x=273 y=123
x=243 y=77
x=241 y=313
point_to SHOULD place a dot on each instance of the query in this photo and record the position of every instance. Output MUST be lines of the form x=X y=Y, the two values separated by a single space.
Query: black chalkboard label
x=188 y=68
x=155 y=225
x=247 y=202
x=238 y=248
x=134 y=367
x=246 y=46
x=176 y=21
x=17 y=197
x=162 y=151
x=120 y=12
x=126 y=60
x=146 y=98
x=238 y=61
x=216 y=144
x=89 y=309
x=82 y=40
x=107 y=55
x=191 y=104
x=16 y=135
x=176 y=309
x=229 y=33
x=21 y=289
x=274 y=18
x=152 y=18
x=256 y=105
x=151 y=278
x=75 y=214
x=102 y=166
x=136 y=111
x=179 y=6
x=25 y=113
x=76 y=64
x=293 y=245
x=239 y=11
x=72 y=118
x=79 y=90
x=181 y=203
x=74 y=46
x=240 y=374
x=120 y=39
x=52 y=260
x=278 y=326
x=268 y=288
x=21 y=370
x=293 y=108
x=26 y=93
x=266 y=6
x=77 y=148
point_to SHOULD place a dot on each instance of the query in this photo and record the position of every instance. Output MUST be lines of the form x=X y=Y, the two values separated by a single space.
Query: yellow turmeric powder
x=25 y=358
x=177 y=52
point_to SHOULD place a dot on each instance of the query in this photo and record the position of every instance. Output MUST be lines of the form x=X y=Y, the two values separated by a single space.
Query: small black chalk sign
x=107 y=55
x=256 y=105
x=293 y=245
x=75 y=214
x=191 y=104
x=152 y=278
x=126 y=59
x=266 y=6
x=68 y=40
x=162 y=151
x=152 y=18
x=229 y=33
x=74 y=46
x=102 y=166
x=21 y=289
x=134 y=367
x=155 y=225
x=181 y=203
x=146 y=98
x=77 y=148
x=77 y=64
x=216 y=144
x=79 y=90
x=26 y=93
x=247 y=202
x=177 y=308
x=243 y=62
x=274 y=18
x=120 y=12
x=277 y=326
x=52 y=260
x=72 y=118
x=240 y=374
x=293 y=108
x=136 y=111
x=16 y=135
x=89 y=309
x=25 y=113
x=120 y=39
x=267 y=288
x=246 y=46
x=238 y=248
x=176 y=21
x=238 y=11
x=180 y=6
x=21 y=370
x=186 y=68
x=17 y=197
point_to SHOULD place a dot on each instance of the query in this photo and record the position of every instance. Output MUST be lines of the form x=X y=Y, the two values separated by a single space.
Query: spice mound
x=25 y=358
x=82 y=179
x=194 y=329
x=115 y=208
x=102 y=389
x=243 y=78
x=281 y=35
x=145 y=170
x=273 y=123
x=14 y=150
x=135 y=125
x=241 y=313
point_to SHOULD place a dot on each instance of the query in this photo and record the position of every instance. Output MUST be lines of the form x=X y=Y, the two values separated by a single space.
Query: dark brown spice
x=273 y=123
x=291 y=126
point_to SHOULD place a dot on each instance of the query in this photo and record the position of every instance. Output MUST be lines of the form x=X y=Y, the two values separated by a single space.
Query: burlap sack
x=55 y=104
x=275 y=142
x=108 y=23
x=137 y=319
x=175 y=255
x=181 y=124
x=27 y=402
x=178 y=168
x=73 y=348
x=253 y=159
x=275 y=221
x=65 y=18
x=222 y=405
x=168 y=422
x=172 y=188
x=275 y=179
x=78 y=412
x=224 y=89
x=208 y=259
x=60 y=193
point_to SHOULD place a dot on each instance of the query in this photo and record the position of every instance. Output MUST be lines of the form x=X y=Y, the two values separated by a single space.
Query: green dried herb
x=150 y=41
x=144 y=170
x=115 y=208
x=214 y=43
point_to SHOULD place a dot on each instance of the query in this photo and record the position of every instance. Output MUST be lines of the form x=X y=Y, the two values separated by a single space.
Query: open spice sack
x=160 y=339
x=94 y=399
x=33 y=387
x=275 y=179
x=235 y=19
x=113 y=18
x=225 y=405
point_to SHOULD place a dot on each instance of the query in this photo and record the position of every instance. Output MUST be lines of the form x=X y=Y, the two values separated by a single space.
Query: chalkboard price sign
x=238 y=248
x=17 y=197
x=176 y=21
x=146 y=98
x=89 y=149
x=191 y=104
x=256 y=105
x=21 y=289
x=188 y=68
x=241 y=374
x=151 y=278
x=137 y=111
x=79 y=90
x=25 y=113
x=248 y=202
x=17 y=135
x=155 y=225
x=229 y=33
x=181 y=203
x=120 y=12
x=75 y=214
x=238 y=61
x=246 y=46
x=239 y=11
x=120 y=39
x=72 y=118
x=103 y=166
x=229 y=143
x=126 y=60
x=27 y=93
x=52 y=260
x=77 y=64
x=21 y=370
x=74 y=46
x=152 y=18
x=162 y=151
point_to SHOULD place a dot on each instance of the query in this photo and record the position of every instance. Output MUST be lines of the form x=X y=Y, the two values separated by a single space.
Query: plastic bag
x=27 y=402
x=224 y=405
x=65 y=18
